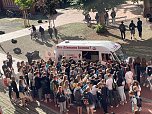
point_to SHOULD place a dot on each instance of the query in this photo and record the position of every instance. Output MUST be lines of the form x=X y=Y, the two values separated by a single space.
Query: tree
x=97 y=5
x=25 y=5
x=49 y=8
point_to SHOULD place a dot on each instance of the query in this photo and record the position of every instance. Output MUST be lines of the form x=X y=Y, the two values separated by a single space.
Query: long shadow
x=48 y=44
x=142 y=48
x=41 y=16
x=63 y=37
x=134 y=9
x=39 y=42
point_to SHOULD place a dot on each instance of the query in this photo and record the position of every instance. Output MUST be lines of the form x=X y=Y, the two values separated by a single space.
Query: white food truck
x=89 y=50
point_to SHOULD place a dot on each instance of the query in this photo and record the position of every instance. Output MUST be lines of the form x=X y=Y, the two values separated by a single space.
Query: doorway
x=90 y=55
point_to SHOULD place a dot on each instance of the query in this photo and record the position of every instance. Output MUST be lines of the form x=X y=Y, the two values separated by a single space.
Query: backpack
x=87 y=100
x=78 y=95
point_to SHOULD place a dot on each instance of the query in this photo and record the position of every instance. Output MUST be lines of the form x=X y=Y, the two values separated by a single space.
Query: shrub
x=100 y=29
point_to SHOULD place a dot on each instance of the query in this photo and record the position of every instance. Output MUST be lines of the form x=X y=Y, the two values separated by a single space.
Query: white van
x=89 y=50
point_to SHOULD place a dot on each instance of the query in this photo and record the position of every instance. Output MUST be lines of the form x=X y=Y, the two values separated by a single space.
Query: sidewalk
x=66 y=16
x=63 y=17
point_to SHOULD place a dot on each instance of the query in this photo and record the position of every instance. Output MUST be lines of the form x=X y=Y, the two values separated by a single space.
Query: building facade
x=8 y=4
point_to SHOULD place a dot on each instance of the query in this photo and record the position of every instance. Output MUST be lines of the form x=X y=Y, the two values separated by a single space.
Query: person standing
x=55 y=31
x=122 y=29
x=61 y=98
x=50 y=31
x=132 y=27
x=38 y=85
x=137 y=67
x=121 y=84
x=106 y=17
x=113 y=15
x=41 y=30
x=10 y=61
x=97 y=17
x=78 y=94
x=103 y=96
x=33 y=31
x=139 y=28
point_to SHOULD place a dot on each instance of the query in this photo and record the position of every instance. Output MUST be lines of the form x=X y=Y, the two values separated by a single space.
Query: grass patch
x=80 y=31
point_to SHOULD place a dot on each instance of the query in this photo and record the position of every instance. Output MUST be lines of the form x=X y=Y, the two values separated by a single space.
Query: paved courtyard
x=26 y=45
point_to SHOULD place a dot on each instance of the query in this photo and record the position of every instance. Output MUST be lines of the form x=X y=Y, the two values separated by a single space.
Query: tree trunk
x=53 y=20
x=49 y=19
x=25 y=18
x=101 y=18
x=28 y=21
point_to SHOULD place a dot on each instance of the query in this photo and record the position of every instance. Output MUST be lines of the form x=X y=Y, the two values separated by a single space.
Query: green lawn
x=80 y=31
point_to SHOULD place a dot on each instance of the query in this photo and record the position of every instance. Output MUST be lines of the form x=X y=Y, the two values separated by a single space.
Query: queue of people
x=88 y=85
x=51 y=31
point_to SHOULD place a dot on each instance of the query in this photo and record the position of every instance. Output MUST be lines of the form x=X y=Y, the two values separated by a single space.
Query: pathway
x=66 y=16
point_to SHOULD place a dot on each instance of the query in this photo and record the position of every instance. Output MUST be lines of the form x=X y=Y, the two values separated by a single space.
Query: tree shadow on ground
x=44 y=17
x=138 y=47
x=48 y=44
x=31 y=108
x=133 y=8
x=63 y=37
x=39 y=42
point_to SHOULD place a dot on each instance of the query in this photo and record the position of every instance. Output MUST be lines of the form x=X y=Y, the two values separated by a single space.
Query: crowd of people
x=88 y=85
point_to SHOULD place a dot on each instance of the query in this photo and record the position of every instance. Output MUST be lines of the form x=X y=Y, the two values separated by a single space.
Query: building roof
x=112 y=46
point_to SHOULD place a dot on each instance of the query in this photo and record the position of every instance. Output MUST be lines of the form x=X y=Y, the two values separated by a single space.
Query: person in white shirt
x=94 y=91
x=129 y=77
x=109 y=82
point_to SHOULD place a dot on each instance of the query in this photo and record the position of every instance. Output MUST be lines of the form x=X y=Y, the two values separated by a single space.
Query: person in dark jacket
x=4 y=67
x=137 y=67
x=14 y=87
x=38 y=85
x=103 y=96
x=122 y=29
x=45 y=82
x=50 y=31
x=10 y=61
x=139 y=28
x=61 y=99
x=132 y=27
x=41 y=30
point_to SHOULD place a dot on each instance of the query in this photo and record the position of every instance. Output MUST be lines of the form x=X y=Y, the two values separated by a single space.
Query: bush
x=100 y=29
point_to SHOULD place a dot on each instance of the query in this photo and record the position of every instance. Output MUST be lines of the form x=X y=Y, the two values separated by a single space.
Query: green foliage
x=51 y=6
x=24 y=4
x=100 y=29
x=97 y=5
